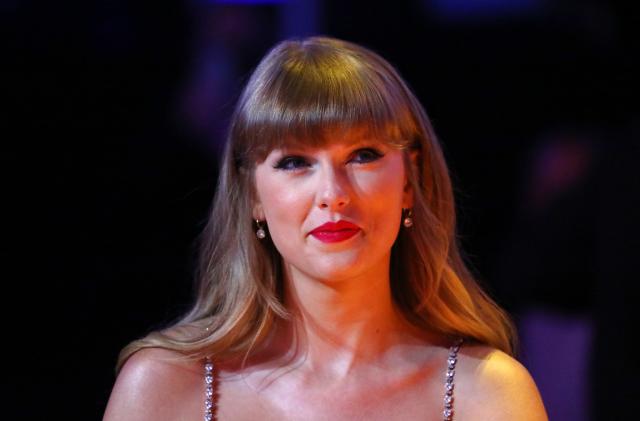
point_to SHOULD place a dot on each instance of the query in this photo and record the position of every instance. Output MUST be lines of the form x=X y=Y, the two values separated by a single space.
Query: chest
x=421 y=399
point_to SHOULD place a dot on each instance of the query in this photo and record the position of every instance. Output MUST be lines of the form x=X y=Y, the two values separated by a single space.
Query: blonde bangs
x=302 y=95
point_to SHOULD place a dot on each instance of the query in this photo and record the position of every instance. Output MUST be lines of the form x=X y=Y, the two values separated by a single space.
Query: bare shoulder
x=493 y=385
x=155 y=384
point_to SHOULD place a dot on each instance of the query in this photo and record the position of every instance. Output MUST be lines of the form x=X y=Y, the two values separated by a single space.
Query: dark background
x=116 y=115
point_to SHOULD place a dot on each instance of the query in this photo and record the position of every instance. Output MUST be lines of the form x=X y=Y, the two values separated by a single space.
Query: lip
x=333 y=232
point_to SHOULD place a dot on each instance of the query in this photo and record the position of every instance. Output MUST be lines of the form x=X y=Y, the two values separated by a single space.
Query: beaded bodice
x=452 y=359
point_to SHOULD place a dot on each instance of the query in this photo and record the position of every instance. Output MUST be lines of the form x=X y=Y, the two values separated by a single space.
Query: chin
x=335 y=266
x=333 y=271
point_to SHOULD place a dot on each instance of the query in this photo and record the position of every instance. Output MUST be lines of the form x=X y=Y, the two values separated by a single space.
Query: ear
x=257 y=212
x=407 y=195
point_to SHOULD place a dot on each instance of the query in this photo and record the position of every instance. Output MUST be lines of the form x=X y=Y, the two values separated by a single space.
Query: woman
x=331 y=285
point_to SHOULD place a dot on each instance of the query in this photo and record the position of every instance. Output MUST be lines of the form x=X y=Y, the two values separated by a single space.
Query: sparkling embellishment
x=208 y=380
x=407 y=219
x=447 y=414
x=260 y=233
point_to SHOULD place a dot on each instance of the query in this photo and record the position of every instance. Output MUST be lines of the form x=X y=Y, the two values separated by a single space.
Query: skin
x=354 y=179
x=348 y=355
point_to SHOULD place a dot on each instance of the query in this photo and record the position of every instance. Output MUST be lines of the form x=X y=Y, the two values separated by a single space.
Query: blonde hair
x=300 y=92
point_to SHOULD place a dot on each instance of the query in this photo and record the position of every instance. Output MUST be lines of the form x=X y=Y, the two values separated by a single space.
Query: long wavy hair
x=299 y=93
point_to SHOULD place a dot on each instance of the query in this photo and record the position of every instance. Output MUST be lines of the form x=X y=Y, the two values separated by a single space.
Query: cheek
x=382 y=193
x=285 y=210
x=283 y=204
x=383 y=188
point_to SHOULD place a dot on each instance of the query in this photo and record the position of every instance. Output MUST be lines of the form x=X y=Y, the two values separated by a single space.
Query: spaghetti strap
x=448 y=385
x=209 y=402
x=210 y=398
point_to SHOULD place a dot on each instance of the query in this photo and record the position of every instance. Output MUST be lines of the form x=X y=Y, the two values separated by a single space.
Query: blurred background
x=116 y=118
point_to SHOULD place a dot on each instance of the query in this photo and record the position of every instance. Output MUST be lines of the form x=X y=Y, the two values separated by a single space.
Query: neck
x=342 y=325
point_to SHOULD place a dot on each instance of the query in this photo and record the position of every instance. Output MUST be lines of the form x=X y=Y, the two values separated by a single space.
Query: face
x=359 y=181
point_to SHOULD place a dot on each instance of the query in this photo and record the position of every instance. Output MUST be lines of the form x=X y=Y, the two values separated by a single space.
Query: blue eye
x=291 y=163
x=362 y=156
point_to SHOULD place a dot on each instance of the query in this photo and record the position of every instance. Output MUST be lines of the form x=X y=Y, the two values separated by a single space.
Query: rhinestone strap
x=448 y=395
x=208 y=381
x=448 y=386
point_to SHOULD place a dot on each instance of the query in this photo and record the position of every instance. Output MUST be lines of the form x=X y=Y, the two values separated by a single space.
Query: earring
x=407 y=220
x=260 y=233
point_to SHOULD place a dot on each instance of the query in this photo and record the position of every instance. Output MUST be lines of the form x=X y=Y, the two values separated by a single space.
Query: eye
x=291 y=163
x=365 y=155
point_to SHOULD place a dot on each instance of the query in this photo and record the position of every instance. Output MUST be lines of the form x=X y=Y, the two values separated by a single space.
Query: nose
x=333 y=190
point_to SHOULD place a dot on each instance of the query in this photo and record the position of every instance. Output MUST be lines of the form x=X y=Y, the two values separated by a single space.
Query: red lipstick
x=333 y=232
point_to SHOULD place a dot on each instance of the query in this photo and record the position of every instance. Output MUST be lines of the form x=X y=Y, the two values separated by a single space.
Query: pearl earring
x=407 y=221
x=260 y=233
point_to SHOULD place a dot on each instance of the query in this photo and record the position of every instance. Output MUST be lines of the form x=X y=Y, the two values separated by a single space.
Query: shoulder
x=155 y=384
x=493 y=385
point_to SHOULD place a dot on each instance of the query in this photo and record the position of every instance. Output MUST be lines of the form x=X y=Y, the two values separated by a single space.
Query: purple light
x=244 y=2
x=471 y=9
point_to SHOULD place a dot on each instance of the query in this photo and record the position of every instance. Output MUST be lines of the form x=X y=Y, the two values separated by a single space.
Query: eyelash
x=283 y=164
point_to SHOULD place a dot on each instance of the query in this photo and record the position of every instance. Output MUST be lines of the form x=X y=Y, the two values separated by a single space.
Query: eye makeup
x=296 y=162
x=291 y=163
